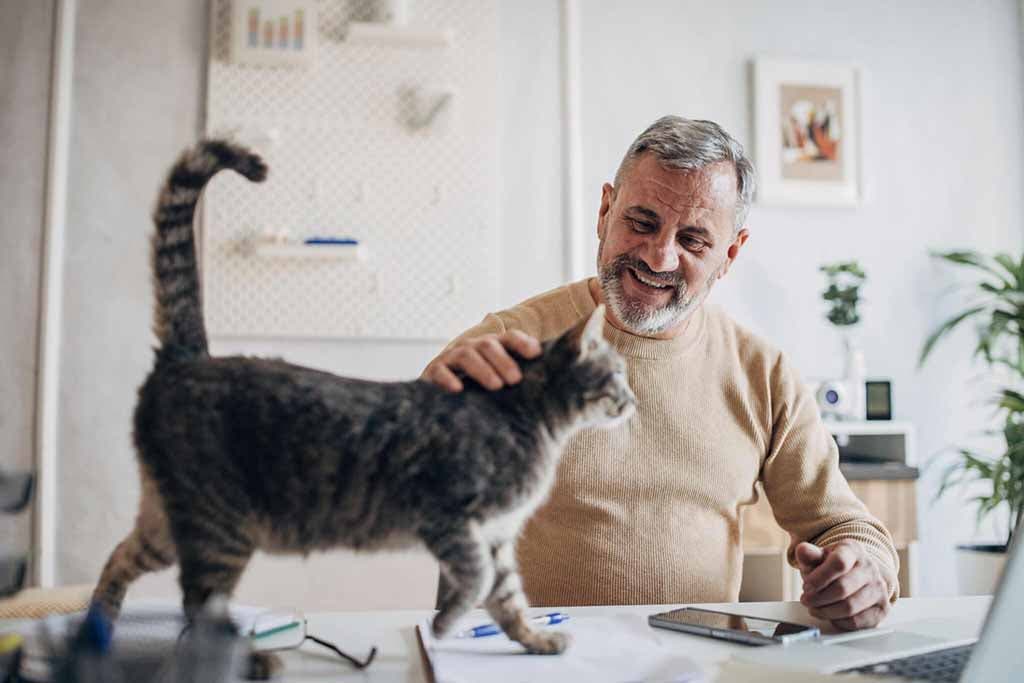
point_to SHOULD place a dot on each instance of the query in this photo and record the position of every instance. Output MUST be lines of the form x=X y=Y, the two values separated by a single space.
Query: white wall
x=26 y=31
x=943 y=161
x=138 y=97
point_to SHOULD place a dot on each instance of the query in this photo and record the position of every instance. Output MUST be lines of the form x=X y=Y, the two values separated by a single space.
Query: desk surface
x=398 y=658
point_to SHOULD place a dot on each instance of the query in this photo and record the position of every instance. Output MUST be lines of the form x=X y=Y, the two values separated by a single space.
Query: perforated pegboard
x=346 y=161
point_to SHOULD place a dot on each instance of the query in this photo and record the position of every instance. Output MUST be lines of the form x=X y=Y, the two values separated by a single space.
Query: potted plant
x=842 y=295
x=842 y=292
x=997 y=308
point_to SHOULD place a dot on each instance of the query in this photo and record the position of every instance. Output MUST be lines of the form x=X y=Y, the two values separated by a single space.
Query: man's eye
x=692 y=243
x=641 y=226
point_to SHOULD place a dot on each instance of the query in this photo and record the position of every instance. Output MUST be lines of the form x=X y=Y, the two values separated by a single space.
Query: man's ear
x=733 y=251
x=604 y=213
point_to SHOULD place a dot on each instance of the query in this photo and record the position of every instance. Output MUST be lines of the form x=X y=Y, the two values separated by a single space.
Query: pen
x=494 y=629
x=276 y=628
x=347 y=241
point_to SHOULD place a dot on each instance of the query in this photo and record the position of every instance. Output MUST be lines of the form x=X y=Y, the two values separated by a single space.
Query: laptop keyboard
x=942 y=665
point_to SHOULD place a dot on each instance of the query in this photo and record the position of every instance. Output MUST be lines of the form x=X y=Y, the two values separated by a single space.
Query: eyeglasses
x=286 y=630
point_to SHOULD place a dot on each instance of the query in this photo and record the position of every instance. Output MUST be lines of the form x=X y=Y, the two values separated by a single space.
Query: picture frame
x=807 y=133
x=274 y=33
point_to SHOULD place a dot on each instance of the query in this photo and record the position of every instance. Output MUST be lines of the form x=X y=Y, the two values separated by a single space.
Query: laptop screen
x=998 y=655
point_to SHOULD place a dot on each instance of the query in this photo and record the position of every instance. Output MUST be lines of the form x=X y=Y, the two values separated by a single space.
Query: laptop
x=945 y=649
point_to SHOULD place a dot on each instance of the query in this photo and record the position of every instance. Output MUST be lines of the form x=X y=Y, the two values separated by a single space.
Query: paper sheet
x=617 y=648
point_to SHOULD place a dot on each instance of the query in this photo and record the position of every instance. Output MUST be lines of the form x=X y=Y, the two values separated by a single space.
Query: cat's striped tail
x=178 y=319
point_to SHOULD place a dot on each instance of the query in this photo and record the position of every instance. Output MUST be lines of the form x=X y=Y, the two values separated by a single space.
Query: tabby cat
x=241 y=454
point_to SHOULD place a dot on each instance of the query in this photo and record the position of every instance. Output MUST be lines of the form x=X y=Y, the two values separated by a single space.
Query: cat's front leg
x=465 y=560
x=507 y=605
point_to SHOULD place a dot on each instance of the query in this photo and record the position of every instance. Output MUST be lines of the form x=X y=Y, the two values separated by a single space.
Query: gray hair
x=689 y=145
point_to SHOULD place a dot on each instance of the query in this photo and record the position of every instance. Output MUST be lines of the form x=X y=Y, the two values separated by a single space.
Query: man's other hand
x=843 y=584
x=485 y=359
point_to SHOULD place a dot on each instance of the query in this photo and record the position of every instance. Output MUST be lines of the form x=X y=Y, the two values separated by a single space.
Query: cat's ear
x=592 y=335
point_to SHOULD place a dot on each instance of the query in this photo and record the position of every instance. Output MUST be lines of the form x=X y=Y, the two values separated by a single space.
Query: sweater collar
x=633 y=345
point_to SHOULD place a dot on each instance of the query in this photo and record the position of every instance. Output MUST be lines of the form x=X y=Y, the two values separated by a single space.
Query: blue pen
x=494 y=629
x=345 y=241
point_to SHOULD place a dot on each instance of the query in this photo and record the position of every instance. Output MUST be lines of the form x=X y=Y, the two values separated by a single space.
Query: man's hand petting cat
x=844 y=584
x=485 y=359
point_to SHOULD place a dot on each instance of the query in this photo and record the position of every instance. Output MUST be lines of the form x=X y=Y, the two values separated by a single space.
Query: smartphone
x=735 y=627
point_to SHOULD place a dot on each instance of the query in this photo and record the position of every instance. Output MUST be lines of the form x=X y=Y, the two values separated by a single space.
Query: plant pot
x=978 y=568
x=854 y=371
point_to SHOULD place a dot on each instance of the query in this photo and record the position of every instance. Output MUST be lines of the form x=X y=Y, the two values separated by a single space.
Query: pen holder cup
x=156 y=647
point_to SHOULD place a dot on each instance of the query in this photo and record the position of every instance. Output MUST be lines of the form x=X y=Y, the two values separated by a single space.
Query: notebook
x=616 y=648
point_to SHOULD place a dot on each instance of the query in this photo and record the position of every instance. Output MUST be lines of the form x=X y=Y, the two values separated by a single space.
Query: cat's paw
x=263 y=666
x=442 y=624
x=547 y=642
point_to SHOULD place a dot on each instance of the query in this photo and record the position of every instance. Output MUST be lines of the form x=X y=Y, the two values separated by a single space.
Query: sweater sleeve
x=491 y=324
x=809 y=496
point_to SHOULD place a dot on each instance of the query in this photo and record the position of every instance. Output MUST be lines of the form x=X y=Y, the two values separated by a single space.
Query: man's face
x=665 y=237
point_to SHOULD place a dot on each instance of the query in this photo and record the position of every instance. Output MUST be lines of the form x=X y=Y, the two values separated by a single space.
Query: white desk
x=399 y=661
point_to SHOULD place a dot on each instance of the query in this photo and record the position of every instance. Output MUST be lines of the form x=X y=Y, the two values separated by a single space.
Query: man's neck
x=598 y=295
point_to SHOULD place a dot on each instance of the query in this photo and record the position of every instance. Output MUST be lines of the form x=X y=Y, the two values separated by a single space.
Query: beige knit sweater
x=649 y=513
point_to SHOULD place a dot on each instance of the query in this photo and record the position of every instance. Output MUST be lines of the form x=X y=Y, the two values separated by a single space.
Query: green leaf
x=851 y=268
x=980 y=467
x=975 y=260
x=950 y=480
x=1004 y=295
x=1012 y=401
x=1011 y=267
x=945 y=328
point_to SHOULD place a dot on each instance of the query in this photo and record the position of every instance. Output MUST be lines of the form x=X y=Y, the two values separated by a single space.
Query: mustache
x=623 y=261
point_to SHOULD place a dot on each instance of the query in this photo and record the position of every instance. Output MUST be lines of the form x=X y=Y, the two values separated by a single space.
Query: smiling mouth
x=650 y=283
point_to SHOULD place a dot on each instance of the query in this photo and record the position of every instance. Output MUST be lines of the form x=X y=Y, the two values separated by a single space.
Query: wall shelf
x=329 y=252
x=868 y=427
x=361 y=32
x=406 y=105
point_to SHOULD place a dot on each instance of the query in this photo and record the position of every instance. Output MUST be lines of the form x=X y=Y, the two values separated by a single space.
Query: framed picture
x=274 y=32
x=806 y=121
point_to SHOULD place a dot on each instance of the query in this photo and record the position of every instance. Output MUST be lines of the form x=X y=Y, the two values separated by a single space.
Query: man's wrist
x=882 y=561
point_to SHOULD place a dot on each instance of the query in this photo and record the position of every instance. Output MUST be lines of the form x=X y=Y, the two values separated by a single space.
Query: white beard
x=646 y=320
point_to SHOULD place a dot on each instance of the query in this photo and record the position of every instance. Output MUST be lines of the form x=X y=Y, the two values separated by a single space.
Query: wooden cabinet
x=878 y=460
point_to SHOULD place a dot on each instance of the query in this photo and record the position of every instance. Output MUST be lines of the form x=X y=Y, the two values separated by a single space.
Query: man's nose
x=661 y=253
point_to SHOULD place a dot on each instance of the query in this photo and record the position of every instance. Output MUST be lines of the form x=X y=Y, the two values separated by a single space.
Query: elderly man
x=650 y=513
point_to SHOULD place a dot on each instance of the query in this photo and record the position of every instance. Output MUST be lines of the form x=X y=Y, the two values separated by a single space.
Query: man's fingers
x=840 y=589
x=869 y=618
x=840 y=560
x=484 y=359
x=867 y=597
x=439 y=374
x=495 y=354
x=808 y=556
x=473 y=364
x=522 y=343
x=847 y=588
